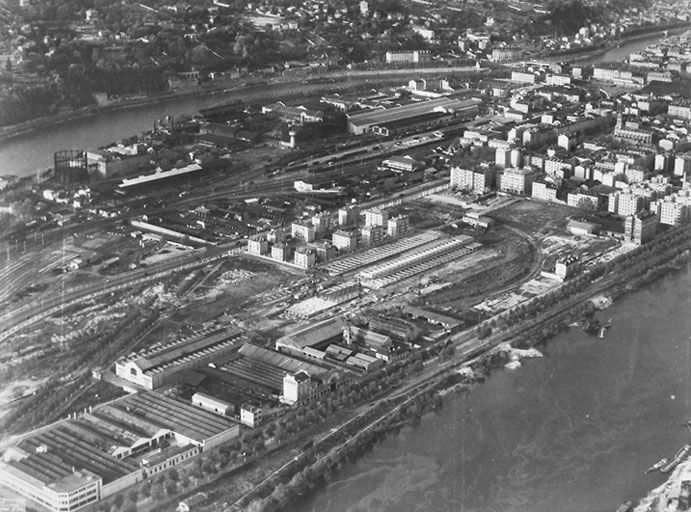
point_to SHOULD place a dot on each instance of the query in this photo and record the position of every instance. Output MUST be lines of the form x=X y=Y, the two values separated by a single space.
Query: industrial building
x=159 y=177
x=158 y=365
x=284 y=374
x=77 y=462
x=400 y=163
x=315 y=336
x=364 y=122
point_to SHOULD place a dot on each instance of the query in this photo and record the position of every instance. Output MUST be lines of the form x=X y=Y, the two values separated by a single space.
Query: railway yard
x=360 y=242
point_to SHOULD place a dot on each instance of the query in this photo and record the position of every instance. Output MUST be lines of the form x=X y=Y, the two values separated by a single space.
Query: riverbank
x=589 y=55
x=333 y=81
x=578 y=55
x=42 y=123
x=430 y=392
x=658 y=499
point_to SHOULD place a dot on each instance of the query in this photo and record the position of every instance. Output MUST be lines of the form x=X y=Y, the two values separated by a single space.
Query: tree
x=118 y=500
x=8 y=65
x=171 y=488
x=156 y=493
x=133 y=495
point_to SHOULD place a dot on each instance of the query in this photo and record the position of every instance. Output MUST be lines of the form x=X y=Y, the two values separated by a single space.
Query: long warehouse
x=364 y=122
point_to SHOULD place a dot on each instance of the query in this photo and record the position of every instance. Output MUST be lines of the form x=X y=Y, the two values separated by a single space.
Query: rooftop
x=313 y=334
x=411 y=110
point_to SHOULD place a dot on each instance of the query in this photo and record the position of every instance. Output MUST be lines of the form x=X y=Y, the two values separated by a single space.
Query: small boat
x=603 y=328
x=627 y=506
x=681 y=454
x=657 y=465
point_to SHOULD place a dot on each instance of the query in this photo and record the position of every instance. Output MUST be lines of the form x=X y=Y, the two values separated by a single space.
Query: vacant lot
x=533 y=217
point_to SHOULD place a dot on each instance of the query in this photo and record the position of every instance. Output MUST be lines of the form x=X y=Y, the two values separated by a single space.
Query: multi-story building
x=566 y=267
x=276 y=236
x=558 y=167
x=321 y=223
x=558 y=79
x=257 y=245
x=682 y=165
x=608 y=74
x=662 y=162
x=281 y=252
x=584 y=200
x=544 y=192
x=641 y=227
x=299 y=387
x=670 y=212
x=523 y=77
x=517 y=181
x=679 y=111
x=348 y=216
x=583 y=171
x=304 y=231
x=411 y=57
x=506 y=54
x=304 y=257
x=626 y=132
x=376 y=217
x=344 y=240
x=462 y=179
x=371 y=235
x=626 y=203
x=479 y=181
x=508 y=157
x=539 y=135
x=398 y=226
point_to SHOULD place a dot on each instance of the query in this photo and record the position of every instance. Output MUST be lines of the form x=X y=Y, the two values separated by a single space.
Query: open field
x=533 y=217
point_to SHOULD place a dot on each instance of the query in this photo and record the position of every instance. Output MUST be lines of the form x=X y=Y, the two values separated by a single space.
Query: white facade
x=304 y=257
x=376 y=217
x=517 y=181
x=303 y=231
x=344 y=240
x=73 y=492
x=544 y=192
x=212 y=404
x=398 y=226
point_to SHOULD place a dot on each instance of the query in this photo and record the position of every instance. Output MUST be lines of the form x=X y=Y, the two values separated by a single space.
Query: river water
x=573 y=431
x=27 y=155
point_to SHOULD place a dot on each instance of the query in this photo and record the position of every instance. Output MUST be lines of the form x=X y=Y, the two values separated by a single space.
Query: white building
x=298 y=387
x=669 y=211
x=682 y=165
x=304 y=231
x=376 y=217
x=517 y=181
x=544 y=192
x=257 y=245
x=344 y=240
x=398 y=226
x=212 y=404
x=304 y=257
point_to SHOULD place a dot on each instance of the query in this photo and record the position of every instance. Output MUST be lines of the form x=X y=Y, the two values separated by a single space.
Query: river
x=573 y=431
x=29 y=154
